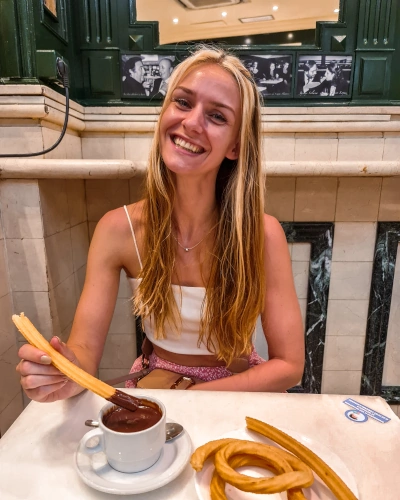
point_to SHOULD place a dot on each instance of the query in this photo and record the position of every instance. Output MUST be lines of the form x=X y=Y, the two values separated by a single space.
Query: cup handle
x=91 y=450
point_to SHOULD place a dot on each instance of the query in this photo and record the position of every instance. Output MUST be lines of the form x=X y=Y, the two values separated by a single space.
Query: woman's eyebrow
x=214 y=103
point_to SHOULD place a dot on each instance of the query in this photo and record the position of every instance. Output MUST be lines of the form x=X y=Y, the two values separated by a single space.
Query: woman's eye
x=181 y=102
x=218 y=117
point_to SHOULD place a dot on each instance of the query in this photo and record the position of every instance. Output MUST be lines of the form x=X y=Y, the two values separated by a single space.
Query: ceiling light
x=248 y=41
x=275 y=7
x=290 y=35
x=224 y=14
x=256 y=19
x=175 y=21
x=336 y=10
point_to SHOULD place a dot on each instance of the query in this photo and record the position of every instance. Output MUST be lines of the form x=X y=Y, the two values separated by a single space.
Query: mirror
x=245 y=20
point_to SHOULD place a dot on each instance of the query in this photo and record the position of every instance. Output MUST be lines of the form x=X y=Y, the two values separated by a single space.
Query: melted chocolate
x=121 y=420
x=124 y=400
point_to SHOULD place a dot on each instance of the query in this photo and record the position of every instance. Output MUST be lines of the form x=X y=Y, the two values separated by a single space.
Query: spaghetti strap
x=134 y=237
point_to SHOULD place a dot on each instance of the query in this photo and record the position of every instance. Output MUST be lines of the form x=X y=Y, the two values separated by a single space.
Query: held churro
x=330 y=478
x=72 y=371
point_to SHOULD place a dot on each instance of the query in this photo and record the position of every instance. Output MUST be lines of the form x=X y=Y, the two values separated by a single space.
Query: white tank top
x=189 y=301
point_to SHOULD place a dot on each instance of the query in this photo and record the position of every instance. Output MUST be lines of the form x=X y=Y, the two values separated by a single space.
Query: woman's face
x=200 y=126
x=272 y=66
x=328 y=75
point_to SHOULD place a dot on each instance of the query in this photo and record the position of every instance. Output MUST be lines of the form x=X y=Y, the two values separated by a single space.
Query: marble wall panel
x=391 y=149
x=316 y=147
x=7 y=330
x=119 y=352
x=315 y=199
x=350 y=280
x=59 y=257
x=19 y=139
x=10 y=413
x=80 y=245
x=358 y=199
x=21 y=213
x=279 y=197
x=105 y=195
x=354 y=242
x=4 y=285
x=76 y=197
x=389 y=207
x=27 y=265
x=95 y=145
x=137 y=146
x=54 y=204
x=50 y=137
x=73 y=146
x=278 y=147
x=341 y=382
x=343 y=353
x=357 y=146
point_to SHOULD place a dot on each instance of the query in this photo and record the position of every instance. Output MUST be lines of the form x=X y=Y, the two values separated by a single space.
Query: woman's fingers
x=33 y=354
x=34 y=381
x=25 y=368
x=45 y=393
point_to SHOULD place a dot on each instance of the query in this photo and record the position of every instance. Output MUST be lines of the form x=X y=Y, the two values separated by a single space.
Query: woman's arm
x=282 y=325
x=42 y=381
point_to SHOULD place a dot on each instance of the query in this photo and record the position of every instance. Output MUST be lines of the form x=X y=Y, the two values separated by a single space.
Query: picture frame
x=146 y=76
x=324 y=75
x=273 y=73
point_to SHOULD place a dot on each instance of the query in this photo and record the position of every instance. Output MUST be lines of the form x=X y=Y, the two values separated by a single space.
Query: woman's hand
x=42 y=381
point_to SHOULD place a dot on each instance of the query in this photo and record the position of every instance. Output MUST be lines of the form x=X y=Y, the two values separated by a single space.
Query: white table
x=37 y=452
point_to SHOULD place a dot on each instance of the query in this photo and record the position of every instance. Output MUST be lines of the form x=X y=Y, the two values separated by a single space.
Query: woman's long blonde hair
x=235 y=288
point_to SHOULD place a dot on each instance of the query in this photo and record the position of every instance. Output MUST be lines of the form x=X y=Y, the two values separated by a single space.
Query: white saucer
x=318 y=490
x=97 y=473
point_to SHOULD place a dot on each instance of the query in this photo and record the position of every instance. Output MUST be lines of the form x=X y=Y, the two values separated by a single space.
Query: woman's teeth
x=186 y=145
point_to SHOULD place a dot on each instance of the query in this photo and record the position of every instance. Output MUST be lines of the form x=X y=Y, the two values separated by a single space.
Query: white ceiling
x=208 y=23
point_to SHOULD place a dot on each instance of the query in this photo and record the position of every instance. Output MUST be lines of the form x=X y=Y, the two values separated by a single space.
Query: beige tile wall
x=11 y=403
x=66 y=243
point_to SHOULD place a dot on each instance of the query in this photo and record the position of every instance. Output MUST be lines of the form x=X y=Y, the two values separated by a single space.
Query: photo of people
x=272 y=73
x=356 y=416
x=325 y=76
x=146 y=75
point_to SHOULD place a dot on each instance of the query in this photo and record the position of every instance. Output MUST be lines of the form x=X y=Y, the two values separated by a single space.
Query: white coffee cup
x=129 y=451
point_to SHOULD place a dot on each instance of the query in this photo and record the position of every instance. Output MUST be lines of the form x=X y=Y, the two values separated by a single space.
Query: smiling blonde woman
x=203 y=259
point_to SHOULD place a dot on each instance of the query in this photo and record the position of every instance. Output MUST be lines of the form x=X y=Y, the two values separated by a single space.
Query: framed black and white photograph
x=146 y=76
x=324 y=76
x=272 y=73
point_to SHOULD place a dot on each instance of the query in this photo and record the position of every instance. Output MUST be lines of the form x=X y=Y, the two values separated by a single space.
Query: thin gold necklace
x=197 y=244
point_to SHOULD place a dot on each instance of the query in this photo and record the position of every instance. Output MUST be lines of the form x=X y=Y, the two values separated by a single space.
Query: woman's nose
x=194 y=120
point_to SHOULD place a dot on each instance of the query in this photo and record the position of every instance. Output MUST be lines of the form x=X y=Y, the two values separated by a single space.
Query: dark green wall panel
x=91 y=35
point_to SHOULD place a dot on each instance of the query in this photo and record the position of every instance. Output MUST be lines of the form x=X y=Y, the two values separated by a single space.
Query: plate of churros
x=261 y=462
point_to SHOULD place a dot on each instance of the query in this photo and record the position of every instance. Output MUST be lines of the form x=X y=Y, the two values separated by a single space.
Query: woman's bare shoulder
x=274 y=236
x=115 y=222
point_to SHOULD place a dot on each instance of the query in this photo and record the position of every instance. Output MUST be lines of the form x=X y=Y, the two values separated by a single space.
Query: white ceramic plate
x=318 y=491
x=95 y=471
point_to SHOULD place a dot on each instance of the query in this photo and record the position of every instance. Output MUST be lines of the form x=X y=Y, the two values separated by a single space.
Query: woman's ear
x=233 y=154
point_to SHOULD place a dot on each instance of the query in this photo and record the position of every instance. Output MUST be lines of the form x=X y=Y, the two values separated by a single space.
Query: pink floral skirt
x=206 y=373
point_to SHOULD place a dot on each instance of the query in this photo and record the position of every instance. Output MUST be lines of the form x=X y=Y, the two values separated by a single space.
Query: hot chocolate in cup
x=132 y=441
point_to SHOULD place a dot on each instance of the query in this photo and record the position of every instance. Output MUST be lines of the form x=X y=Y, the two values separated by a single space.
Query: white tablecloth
x=37 y=453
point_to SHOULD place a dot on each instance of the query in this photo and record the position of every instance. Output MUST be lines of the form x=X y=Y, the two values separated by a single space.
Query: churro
x=330 y=478
x=72 y=371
